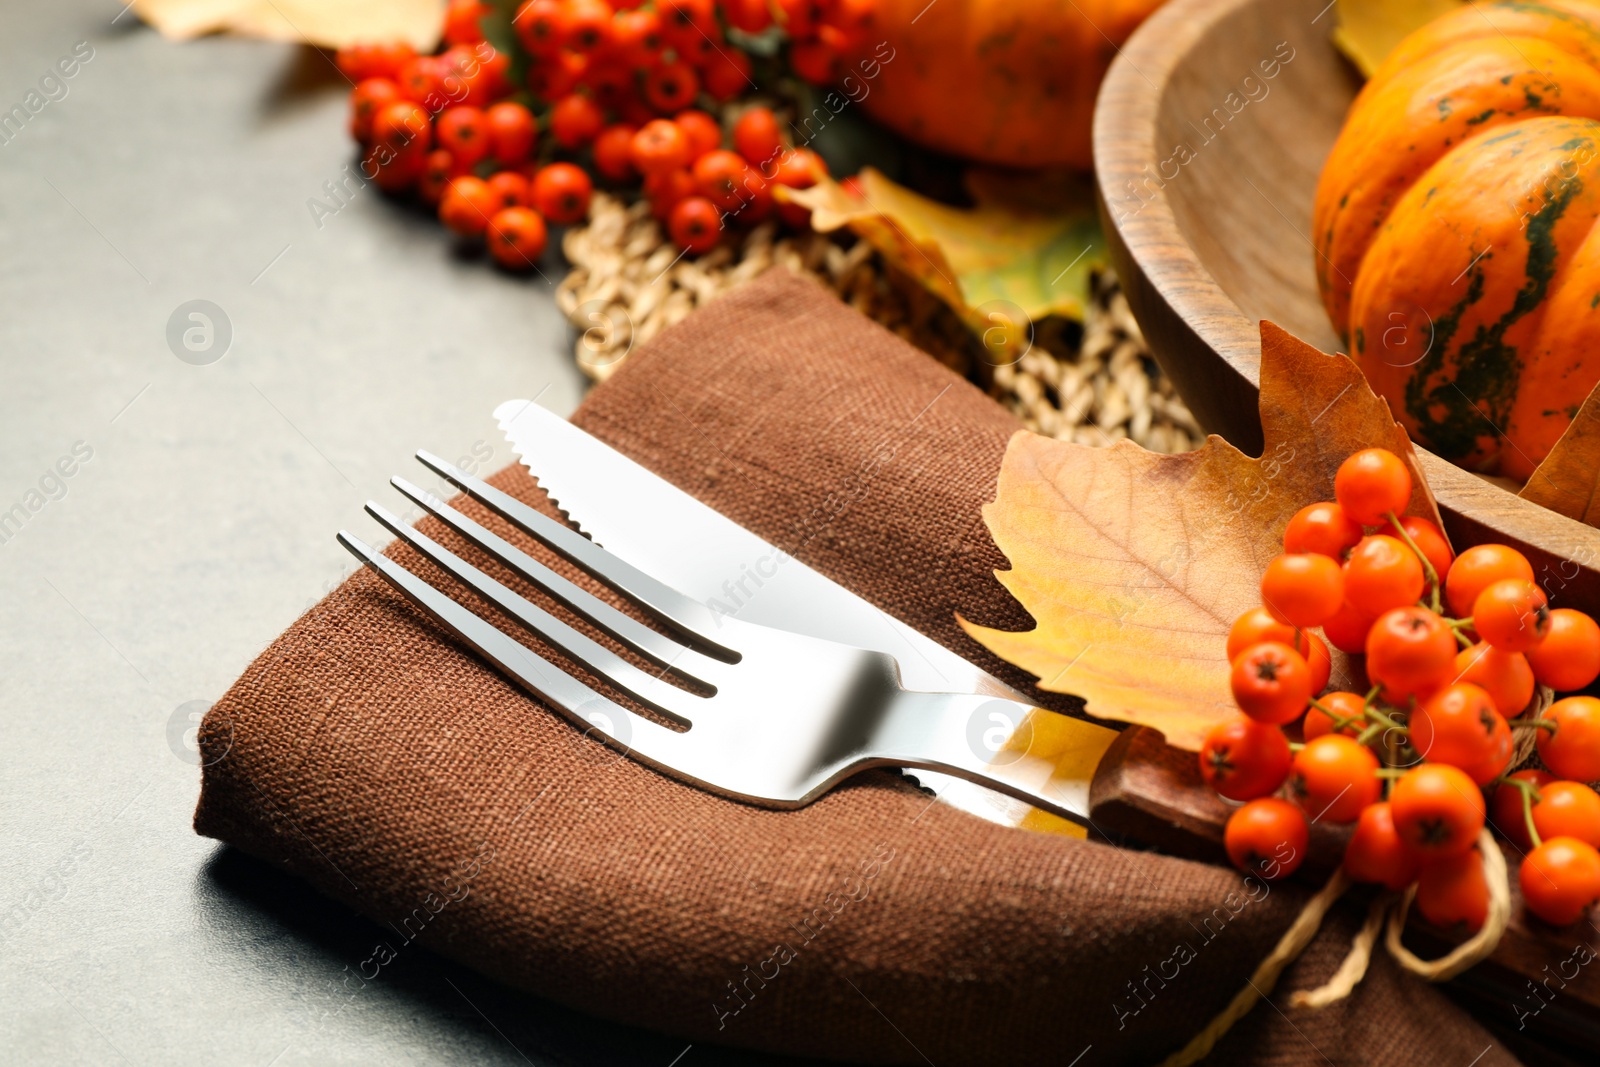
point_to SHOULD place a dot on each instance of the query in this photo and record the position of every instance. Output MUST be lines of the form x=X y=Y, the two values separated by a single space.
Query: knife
x=666 y=532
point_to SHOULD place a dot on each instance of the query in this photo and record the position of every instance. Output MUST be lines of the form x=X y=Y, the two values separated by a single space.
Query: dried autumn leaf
x=1568 y=479
x=1024 y=252
x=328 y=23
x=1368 y=30
x=1134 y=564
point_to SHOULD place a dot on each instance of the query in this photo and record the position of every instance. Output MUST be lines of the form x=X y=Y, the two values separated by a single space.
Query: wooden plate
x=1209 y=135
x=1210 y=132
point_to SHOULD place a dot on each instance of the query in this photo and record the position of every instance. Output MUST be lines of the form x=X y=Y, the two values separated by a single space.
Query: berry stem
x=1391 y=754
x=1520 y=783
x=1339 y=721
x=1530 y=797
x=1427 y=566
x=1530 y=793
x=1385 y=721
x=1535 y=724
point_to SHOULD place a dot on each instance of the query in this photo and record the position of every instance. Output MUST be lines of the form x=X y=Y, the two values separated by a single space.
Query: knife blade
x=665 y=531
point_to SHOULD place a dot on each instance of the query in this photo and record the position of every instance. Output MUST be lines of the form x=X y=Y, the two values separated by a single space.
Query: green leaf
x=1025 y=251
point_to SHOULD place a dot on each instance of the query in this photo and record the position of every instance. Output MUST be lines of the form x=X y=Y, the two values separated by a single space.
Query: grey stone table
x=169 y=490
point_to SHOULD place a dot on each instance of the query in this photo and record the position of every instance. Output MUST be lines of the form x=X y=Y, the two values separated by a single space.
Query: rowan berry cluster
x=611 y=90
x=1453 y=648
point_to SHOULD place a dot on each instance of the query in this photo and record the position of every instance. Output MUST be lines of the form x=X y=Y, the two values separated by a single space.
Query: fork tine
x=689 y=617
x=656 y=647
x=621 y=728
x=670 y=701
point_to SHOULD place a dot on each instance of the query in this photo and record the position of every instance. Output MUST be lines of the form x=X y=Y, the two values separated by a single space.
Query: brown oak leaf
x=1135 y=564
x=1568 y=479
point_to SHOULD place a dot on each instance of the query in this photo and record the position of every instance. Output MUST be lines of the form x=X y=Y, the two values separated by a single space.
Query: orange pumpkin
x=1010 y=82
x=1457 y=251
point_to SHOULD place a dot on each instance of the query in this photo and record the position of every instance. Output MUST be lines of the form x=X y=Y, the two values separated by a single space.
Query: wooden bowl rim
x=1125 y=118
x=1122 y=138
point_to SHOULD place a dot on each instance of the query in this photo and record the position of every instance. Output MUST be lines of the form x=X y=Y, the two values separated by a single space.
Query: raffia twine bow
x=1393 y=906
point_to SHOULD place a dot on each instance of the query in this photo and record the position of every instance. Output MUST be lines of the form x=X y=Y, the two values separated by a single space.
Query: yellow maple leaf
x=1025 y=251
x=1368 y=30
x=327 y=23
x=1134 y=564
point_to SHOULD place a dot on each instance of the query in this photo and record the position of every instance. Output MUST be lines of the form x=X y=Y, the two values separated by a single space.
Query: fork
x=779 y=719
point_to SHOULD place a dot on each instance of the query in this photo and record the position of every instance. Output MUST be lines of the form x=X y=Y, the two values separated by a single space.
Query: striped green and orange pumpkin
x=1455 y=223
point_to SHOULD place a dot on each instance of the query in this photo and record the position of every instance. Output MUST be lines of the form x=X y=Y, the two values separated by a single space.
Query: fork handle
x=994 y=742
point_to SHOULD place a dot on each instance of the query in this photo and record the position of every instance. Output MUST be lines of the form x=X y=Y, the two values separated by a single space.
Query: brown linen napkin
x=381 y=760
